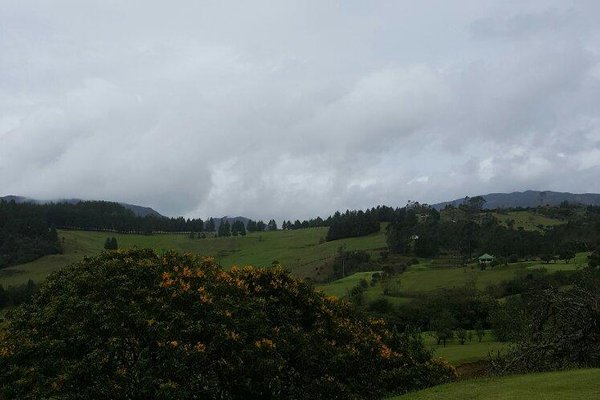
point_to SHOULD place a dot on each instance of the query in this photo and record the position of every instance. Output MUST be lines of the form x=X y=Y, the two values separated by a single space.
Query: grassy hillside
x=564 y=385
x=527 y=220
x=472 y=351
x=300 y=250
x=429 y=275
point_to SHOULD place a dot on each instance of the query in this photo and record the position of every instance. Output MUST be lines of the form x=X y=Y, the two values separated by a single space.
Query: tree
x=138 y=325
x=479 y=331
x=461 y=335
x=210 y=225
x=238 y=228
x=251 y=226
x=111 y=244
x=260 y=226
x=443 y=325
x=272 y=226
x=224 y=228
x=566 y=252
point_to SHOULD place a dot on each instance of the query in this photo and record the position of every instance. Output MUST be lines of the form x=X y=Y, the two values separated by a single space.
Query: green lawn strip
x=562 y=385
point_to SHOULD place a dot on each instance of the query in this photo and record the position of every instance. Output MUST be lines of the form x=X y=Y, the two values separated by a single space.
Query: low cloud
x=199 y=110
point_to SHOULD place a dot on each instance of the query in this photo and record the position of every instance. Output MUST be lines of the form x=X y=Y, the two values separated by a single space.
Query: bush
x=133 y=324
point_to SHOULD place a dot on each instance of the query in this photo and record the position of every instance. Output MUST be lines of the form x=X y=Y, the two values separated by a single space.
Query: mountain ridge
x=528 y=198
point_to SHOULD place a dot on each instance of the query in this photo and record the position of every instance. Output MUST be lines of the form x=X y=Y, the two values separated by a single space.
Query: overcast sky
x=296 y=109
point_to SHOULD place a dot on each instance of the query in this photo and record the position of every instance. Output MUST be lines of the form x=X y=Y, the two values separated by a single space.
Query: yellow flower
x=200 y=347
x=174 y=343
x=268 y=343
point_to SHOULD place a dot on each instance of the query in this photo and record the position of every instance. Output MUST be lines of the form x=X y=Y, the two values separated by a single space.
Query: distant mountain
x=529 y=198
x=140 y=211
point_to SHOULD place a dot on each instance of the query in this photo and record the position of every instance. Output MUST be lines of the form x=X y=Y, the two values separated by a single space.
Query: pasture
x=427 y=276
x=527 y=220
x=562 y=385
x=301 y=251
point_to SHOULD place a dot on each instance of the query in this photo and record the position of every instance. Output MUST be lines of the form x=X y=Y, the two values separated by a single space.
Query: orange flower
x=200 y=347
x=385 y=352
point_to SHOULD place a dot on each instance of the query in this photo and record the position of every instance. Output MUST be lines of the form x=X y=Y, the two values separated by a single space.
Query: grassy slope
x=563 y=385
x=458 y=354
x=299 y=250
x=526 y=219
x=426 y=276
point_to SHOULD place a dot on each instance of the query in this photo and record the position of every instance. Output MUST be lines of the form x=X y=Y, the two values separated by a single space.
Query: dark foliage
x=562 y=329
x=136 y=325
x=25 y=234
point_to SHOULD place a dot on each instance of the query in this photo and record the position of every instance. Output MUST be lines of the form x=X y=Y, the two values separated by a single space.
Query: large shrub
x=137 y=325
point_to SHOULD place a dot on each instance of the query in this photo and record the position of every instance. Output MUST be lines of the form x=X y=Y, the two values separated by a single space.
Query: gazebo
x=486 y=259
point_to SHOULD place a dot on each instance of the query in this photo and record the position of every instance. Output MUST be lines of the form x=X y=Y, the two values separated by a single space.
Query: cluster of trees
x=238 y=228
x=111 y=243
x=352 y=224
x=466 y=231
x=260 y=226
x=140 y=325
x=25 y=234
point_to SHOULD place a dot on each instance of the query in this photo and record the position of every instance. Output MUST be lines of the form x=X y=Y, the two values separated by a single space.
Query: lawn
x=563 y=385
x=301 y=251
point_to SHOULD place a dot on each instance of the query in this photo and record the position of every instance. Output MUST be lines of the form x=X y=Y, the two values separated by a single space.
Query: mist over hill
x=139 y=211
x=529 y=198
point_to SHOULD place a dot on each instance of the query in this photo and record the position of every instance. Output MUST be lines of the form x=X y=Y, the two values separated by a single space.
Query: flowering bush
x=137 y=325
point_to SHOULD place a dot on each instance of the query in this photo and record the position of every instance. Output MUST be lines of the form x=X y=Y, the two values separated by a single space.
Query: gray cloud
x=293 y=109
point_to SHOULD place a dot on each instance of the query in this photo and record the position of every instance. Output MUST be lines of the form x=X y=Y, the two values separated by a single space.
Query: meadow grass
x=302 y=251
x=563 y=385
x=471 y=351
x=530 y=221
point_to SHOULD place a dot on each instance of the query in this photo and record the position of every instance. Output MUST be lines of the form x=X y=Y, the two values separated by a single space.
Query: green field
x=301 y=251
x=563 y=385
x=472 y=351
x=527 y=220
x=427 y=276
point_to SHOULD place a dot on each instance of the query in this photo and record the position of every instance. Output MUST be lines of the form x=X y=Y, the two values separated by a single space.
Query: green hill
x=564 y=385
x=302 y=251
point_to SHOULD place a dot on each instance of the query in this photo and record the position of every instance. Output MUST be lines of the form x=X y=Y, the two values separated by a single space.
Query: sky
x=293 y=109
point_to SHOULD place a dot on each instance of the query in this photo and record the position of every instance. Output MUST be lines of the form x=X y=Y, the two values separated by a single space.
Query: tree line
x=25 y=234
